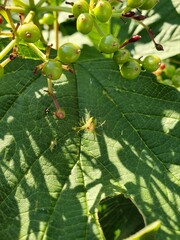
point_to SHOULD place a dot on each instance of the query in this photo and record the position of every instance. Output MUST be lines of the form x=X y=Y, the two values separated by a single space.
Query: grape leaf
x=52 y=178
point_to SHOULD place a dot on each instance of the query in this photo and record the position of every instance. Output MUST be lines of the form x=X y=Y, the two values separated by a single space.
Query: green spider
x=90 y=124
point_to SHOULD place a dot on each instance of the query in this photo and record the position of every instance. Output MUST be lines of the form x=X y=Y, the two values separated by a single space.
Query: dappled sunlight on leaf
x=164 y=21
x=52 y=177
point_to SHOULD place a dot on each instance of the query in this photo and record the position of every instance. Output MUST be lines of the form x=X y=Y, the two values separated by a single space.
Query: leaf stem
x=8 y=48
x=37 y=51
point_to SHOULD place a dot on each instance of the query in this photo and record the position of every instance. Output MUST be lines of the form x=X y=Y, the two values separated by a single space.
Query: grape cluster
x=66 y=54
x=85 y=14
x=88 y=15
x=130 y=68
x=169 y=72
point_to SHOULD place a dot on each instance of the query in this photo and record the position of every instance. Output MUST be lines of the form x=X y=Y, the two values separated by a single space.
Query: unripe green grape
x=84 y=23
x=69 y=53
x=29 y=32
x=1 y=71
x=103 y=11
x=80 y=6
x=176 y=80
x=149 y=4
x=121 y=56
x=169 y=70
x=177 y=72
x=135 y=3
x=151 y=63
x=167 y=82
x=130 y=70
x=52 y=69
x=108 y=44
x=47 y=18
x=114 y=3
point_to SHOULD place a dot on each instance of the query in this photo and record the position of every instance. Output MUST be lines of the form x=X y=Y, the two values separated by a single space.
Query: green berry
x=52 y=69
x=114 y=3
x=169 y=70
x=151 y=63
x=149 y=4
x=80 y=6
x=176 y=80
x=177 y=72
x=167 y=82
x=130 y=70
x=135 y=3
x=47 y=18
x=29 y=32
x=1 y=71
x=108 y=44
x=84 y=23
x=121 y=56
x=103 y=10
x=69 y=53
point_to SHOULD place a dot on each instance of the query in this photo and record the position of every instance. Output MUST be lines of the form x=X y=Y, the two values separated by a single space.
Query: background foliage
x=52 y=179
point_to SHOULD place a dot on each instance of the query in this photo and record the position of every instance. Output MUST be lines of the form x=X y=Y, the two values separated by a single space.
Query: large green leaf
x=52 y=191
x=164 y=21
